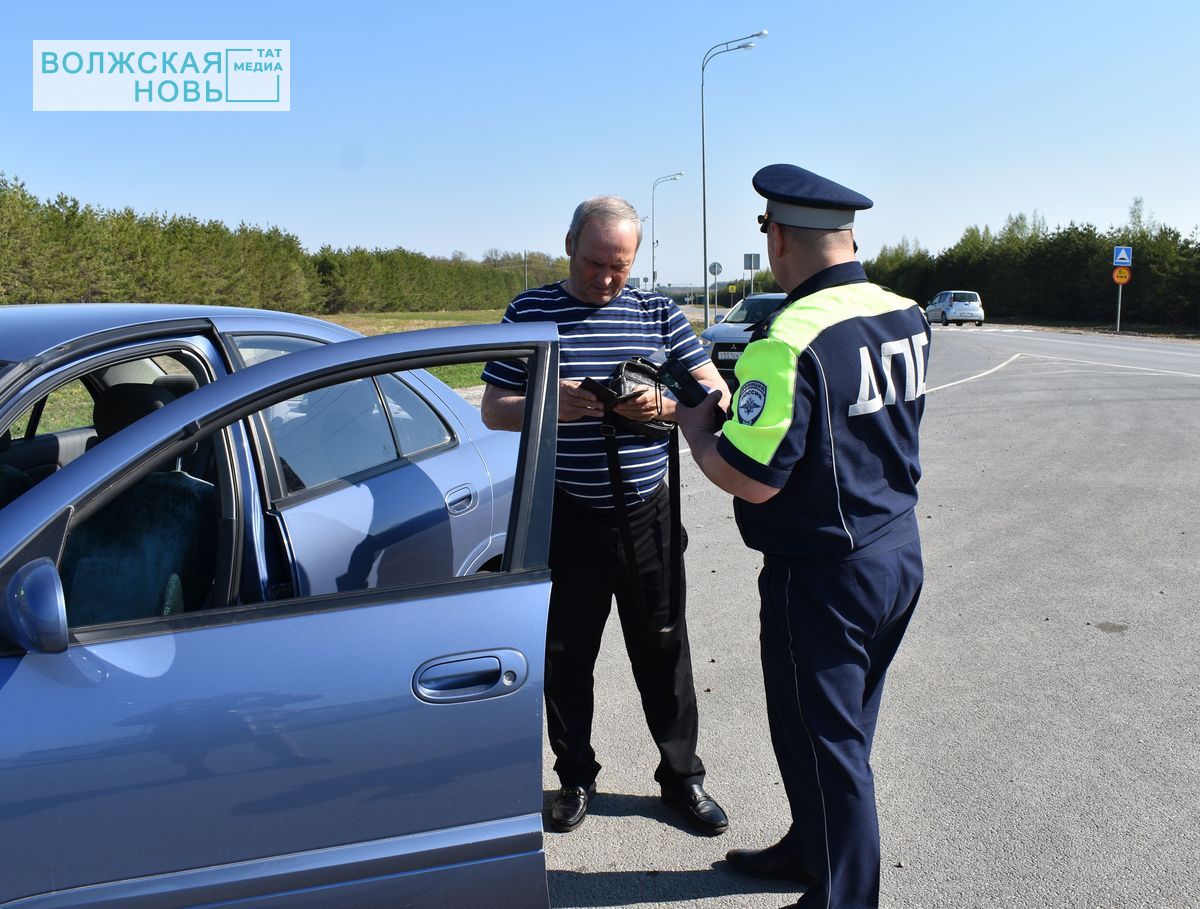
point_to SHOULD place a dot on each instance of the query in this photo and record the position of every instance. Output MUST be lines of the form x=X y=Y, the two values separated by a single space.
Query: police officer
x=821 y=454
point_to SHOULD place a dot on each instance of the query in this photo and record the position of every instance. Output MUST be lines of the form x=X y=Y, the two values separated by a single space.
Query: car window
x=966 y=297
x=752 y=309
x=418 y=427
x=68 y=407
x=260 y=348
x=158 y=540
x=330 y=434
x=167 y=541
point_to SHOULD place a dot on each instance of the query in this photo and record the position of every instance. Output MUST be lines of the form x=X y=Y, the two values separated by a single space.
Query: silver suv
x=955 y=306
x=726 y=340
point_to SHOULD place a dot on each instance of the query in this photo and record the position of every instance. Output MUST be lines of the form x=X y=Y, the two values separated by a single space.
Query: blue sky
x=466 y=126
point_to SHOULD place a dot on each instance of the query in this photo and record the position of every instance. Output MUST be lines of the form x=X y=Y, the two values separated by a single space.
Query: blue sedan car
x=273 y=618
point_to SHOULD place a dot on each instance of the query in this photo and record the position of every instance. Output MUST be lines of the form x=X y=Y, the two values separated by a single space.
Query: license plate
x=728 y=354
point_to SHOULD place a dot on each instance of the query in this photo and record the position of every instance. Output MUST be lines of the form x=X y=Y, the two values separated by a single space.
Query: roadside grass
x=379 y=323
x=69 y=407
x=458 y=375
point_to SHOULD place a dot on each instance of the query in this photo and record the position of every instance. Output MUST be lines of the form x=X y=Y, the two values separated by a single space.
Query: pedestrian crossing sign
x=1122 y=255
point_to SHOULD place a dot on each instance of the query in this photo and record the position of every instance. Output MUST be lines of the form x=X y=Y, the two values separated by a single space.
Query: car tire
x=945 y=321
x=980 y=323
x=959 y=324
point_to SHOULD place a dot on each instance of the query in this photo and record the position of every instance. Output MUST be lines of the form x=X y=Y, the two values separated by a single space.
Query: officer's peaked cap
x=800 y=198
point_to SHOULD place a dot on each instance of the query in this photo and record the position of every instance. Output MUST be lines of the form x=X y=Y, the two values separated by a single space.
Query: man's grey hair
x=606 y=210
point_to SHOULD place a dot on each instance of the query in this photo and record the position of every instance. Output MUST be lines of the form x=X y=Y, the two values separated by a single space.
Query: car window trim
x=28 y=371
x=79 y=368
x=290 y=499
x=242 y=613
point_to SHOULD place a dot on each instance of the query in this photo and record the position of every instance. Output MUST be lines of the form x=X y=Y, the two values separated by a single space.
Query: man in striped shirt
x=601 y=323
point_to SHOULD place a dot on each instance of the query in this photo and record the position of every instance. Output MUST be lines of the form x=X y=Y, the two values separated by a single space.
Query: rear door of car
x=374 y=747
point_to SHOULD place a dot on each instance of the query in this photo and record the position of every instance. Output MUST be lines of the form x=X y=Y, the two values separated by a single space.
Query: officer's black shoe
x=776 y=861
x=570 y=806
x=698 y=807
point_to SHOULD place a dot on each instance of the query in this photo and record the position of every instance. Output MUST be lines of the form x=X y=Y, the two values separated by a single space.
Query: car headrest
x=120 y=405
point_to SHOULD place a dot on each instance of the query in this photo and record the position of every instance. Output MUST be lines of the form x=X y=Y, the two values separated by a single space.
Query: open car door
x=370 y=747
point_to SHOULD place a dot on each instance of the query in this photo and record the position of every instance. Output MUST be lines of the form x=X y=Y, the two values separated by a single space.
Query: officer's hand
x=699 y=420
x=642 y=408
x=575 y=403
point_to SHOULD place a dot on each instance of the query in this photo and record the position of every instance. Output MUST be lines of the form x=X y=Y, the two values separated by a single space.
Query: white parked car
x=957 y=306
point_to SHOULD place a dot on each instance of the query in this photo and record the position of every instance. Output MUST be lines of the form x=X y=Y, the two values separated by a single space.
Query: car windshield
x=964 y=296
x=753 y=309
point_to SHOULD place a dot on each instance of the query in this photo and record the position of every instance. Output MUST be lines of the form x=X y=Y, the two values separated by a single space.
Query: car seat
x=13 y=481
x=150 y=551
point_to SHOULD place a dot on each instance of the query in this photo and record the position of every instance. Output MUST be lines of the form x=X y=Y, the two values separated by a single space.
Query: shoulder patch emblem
x=752 y=397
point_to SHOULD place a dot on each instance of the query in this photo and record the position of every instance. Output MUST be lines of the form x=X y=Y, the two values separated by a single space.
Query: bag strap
x=625 y=533
x=676 y=592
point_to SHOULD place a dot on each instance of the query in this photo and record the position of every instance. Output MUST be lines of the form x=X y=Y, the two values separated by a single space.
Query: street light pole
x=714 y=51
x=654 y=242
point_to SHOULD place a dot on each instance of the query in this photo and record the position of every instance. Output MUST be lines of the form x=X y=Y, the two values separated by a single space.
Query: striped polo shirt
x=594 y=340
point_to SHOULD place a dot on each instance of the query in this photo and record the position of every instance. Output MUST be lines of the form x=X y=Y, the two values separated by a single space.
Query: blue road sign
x=1122 y=255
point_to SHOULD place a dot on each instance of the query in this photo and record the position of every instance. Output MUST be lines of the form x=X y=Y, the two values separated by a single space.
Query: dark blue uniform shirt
x=828 y=410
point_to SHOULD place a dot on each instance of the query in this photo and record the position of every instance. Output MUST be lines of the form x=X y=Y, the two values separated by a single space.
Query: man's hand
x=575 y=403
x=642 y=408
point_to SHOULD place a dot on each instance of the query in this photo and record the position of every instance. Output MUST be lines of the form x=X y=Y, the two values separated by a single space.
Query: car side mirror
x=719 y=319
x=35 y=609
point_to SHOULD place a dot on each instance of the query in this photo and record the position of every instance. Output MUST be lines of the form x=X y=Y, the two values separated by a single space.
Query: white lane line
x=1127 y=348
x=1011 y=331
x=973 y=378
x=1149 y=369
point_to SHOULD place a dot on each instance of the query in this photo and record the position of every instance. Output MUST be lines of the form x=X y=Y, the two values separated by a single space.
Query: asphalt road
x=1039 y=743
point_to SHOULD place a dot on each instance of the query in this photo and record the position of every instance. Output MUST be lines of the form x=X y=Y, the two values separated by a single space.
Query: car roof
x=31 y=329
x=766 y=296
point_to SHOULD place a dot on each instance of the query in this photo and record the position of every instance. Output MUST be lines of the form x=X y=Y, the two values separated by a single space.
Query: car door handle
x=470 y=676
x=461 y=499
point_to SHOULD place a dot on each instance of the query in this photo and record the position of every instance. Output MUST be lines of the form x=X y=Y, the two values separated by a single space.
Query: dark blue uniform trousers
x=829 y=632
x=588 y=566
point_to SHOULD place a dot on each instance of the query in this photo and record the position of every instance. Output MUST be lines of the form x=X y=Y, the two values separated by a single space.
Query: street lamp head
x=746 y=46
x=761 y=34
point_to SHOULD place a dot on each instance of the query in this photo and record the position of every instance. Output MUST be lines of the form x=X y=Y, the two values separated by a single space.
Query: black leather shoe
x=698 y=807
x=774 y=862
x=570 y=806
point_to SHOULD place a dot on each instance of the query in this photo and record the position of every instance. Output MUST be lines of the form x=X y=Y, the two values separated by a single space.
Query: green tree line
x=1030 y=272
x=60 y=251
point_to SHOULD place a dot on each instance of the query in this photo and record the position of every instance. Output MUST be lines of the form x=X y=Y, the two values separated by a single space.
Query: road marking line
x=1150 y=369
x=979 y=376
x=1188 y=351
